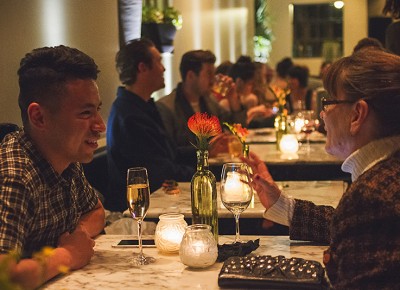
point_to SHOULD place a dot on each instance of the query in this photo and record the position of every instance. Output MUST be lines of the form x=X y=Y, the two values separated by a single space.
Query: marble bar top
x=268 y=135
x=110 y=267
x=272 y=156
x=319 y=192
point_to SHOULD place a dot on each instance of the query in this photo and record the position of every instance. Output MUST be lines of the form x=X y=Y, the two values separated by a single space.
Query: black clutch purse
x=269 y=272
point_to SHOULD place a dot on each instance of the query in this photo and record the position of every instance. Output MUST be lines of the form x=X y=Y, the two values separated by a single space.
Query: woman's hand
x=268 y=192
x=262 y=181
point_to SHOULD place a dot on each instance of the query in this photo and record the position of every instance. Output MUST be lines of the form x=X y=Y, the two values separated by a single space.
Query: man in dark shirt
x=136 y=135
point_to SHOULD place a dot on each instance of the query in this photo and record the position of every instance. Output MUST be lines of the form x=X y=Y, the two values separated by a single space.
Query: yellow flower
x=281 y=96
x=237 y=130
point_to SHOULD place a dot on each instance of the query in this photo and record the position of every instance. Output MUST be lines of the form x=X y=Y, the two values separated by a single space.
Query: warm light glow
x=338 y=4
x=167 y=62
x=298 y=124
x=53 y=22
x=198 y=247
x=243 y=29
x=196 y=12
x=233 y=186
x=289 y=146
x=217 y=31
x=172 y=236
x=232 y=39
x=169 y=232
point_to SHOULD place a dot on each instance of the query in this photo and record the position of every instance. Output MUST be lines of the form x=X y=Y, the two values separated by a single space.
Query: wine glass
x=236 y=192
x=308 y=126
x=138 y=198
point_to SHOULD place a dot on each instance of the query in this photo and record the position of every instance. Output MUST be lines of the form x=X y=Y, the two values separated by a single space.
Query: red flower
x=204 y=127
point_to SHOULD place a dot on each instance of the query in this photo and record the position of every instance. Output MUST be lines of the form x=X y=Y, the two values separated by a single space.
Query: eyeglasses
x=325 y=103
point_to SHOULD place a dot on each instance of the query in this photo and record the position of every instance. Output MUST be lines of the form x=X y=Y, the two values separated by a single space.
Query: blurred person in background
x=136 y=135
x=301 y=97
x=195 y=94
x=392 y=34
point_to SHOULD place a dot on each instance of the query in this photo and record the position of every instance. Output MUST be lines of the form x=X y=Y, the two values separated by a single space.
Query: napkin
x=236 y=249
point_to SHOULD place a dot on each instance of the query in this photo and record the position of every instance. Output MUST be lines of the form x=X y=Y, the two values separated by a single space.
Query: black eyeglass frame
x=325 y=102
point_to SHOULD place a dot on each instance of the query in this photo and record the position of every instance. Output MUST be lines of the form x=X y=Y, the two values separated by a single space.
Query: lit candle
x=169 y=232
x=289 y=146
x=233 y=186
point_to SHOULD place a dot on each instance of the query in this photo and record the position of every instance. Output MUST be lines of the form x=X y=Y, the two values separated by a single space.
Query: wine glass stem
x=308 y=144
x=237 y=237
x=139 y=222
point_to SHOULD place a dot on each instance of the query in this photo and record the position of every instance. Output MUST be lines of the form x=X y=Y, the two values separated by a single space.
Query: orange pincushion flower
x=204 y=127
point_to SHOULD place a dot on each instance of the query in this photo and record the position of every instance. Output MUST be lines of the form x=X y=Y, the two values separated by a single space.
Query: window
x=317 y=31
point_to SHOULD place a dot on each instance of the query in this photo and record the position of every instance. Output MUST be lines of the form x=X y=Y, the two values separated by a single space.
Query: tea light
x=198 y=247
x=234 y=186
x=289 y=147
x=169 y=232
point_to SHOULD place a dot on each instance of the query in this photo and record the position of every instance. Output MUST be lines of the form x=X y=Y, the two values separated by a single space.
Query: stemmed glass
x=138 y=198
x=309 y=126
x=236 y=192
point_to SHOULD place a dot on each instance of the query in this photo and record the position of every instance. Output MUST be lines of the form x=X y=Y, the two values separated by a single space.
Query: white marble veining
x=319 y=192
x=110 y=267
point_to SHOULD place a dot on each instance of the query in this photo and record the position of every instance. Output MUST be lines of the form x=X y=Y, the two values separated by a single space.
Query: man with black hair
x=136 y=134
x=45 y=199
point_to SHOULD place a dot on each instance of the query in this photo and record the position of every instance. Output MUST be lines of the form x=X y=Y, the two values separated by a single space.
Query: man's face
x=73 y=129
x=337 y=125
x=157 y=70
x=205 y=80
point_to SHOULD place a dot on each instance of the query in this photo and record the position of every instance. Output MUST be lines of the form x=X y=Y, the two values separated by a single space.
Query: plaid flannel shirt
x=37 y=204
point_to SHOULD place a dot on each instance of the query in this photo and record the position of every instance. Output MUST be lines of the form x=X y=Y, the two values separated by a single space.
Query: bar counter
x=110 y=267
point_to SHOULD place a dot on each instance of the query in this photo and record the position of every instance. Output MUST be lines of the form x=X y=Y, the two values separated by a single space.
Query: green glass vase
x=204 y=195
x=246 y=150
x=280 y=127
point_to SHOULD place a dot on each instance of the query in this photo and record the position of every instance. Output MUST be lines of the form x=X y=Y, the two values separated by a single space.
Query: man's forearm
x=31 y=273
x=94 y=220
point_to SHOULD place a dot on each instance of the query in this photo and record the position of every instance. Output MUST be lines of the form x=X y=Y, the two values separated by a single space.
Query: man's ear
x=358 y=116
x=36 y=116
x=142 y=67
x=190 y=75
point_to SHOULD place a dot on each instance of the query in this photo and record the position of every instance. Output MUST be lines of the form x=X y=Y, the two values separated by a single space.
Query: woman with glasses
x=362 y=118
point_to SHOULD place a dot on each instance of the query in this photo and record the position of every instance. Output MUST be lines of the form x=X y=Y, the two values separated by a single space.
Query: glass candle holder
x=289 y=146
x=169 y=232
x=198 y=247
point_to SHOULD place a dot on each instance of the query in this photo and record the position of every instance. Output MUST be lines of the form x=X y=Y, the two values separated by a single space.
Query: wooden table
x=110 y=267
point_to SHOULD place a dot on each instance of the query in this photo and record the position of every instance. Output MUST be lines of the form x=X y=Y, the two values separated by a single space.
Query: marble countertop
x=319 y=192
x=268 y=135
x=271 y=155
x=110 y=267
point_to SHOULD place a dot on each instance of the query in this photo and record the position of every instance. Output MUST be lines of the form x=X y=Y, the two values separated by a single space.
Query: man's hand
x=79 y=246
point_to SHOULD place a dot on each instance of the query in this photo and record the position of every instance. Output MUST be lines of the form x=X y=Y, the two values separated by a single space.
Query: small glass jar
x=169 y=232
x=198 y=247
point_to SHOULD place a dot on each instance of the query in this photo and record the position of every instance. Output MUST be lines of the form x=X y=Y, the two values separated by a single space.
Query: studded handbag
x=269 y=272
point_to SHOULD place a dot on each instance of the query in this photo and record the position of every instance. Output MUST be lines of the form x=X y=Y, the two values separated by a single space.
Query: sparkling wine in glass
x=138 y=198
x=236 y=193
